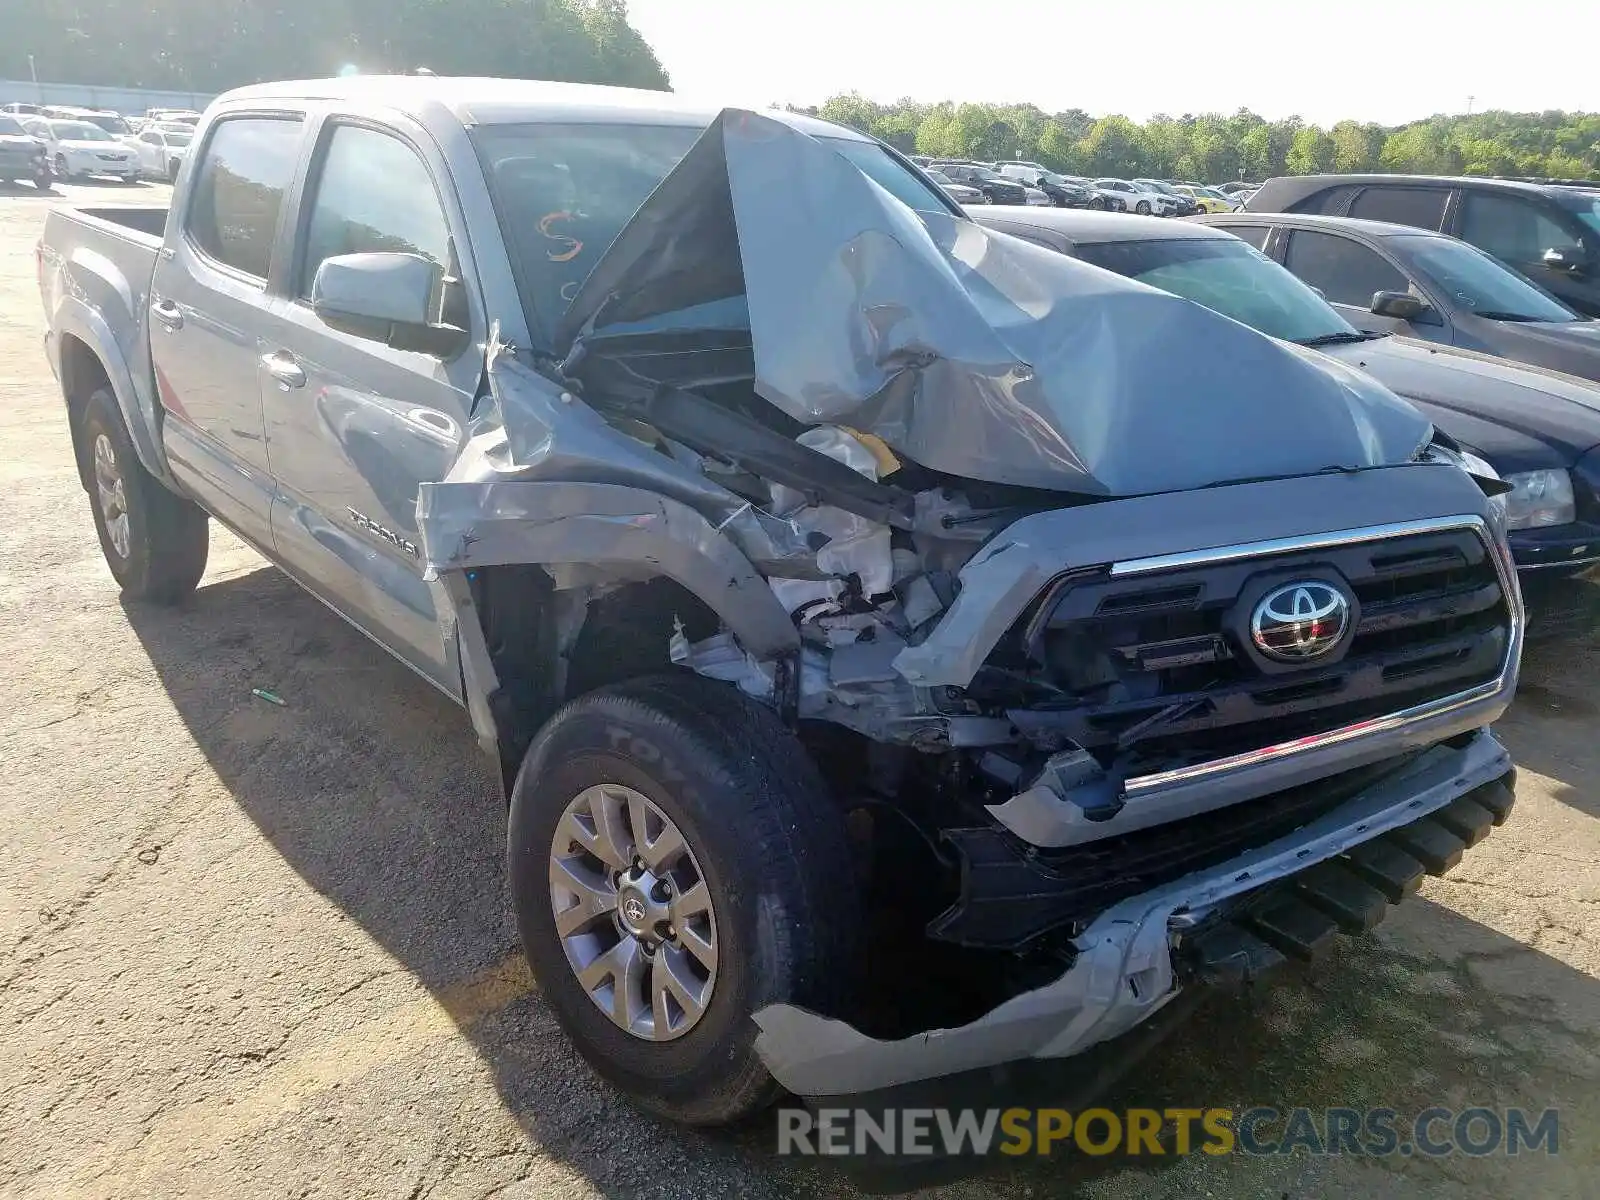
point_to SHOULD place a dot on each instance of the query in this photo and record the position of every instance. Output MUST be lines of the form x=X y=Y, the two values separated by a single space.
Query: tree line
x=213 y=45
x=1216 y=148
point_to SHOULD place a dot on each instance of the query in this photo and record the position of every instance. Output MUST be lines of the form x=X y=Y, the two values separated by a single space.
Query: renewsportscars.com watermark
x=972 y=1132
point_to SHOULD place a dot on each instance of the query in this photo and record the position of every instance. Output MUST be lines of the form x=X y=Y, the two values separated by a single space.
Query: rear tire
x=154 y=541
x=766 y=844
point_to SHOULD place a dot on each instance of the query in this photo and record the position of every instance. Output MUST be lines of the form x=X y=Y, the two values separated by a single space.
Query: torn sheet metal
x=967 y=351
x=1124 y=972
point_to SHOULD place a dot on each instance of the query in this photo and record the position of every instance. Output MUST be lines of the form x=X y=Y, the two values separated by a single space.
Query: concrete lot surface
x=258 y=951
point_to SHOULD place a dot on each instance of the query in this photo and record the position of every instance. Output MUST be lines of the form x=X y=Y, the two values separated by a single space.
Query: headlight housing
x=1539 y=499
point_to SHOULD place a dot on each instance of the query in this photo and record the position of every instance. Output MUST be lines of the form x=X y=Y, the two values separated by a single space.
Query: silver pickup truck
x=907 y=650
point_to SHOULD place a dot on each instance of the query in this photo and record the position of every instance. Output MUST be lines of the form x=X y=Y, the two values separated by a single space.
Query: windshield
x=889 y=173
x=10 y=126
x=110 y=122
x=178 y=140
x=1230 y=277
x=79 y=131
x=1479 y=283
x=564 y=192
x=941 y=178
x=1155 y=185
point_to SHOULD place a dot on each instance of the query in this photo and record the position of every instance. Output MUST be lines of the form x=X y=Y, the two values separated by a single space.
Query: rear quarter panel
x=94 y=280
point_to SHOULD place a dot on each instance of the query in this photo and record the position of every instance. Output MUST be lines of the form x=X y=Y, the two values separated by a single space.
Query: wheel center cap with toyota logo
x=1300 y=621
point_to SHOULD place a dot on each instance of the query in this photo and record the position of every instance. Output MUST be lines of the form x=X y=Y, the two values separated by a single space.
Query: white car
x=78 y=149
x=1140 y=201
x=162 y=149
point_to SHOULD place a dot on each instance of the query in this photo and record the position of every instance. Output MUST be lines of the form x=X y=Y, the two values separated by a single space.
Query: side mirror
x=1402 y=306
x=386 y=297
x=1560 y=260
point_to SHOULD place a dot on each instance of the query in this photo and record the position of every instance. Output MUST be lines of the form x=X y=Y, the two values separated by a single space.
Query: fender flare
x=76 y=318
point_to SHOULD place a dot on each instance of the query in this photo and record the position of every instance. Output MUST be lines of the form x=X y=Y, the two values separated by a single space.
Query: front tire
x=1142 y=208
x=172 y=171
x=61 y=167
x=676 y=865
x=155 y=542
x=43 y=179
x=1097 y=203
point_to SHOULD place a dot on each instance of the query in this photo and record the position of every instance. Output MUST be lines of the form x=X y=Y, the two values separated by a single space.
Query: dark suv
x=1551 y=234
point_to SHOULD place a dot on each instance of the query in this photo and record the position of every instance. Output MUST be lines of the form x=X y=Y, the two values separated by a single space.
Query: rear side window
x=1422 y=207
x=1345 y=272
x=1329 y=200
x=238 y=190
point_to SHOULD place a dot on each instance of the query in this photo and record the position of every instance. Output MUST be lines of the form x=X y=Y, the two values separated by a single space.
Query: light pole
x=33 y=73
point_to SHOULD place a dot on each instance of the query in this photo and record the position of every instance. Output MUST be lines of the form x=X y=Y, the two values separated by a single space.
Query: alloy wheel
x=633 y=912
x=112 y=495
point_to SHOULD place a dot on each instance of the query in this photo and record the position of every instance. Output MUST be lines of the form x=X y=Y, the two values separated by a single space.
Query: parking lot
x=252 y=950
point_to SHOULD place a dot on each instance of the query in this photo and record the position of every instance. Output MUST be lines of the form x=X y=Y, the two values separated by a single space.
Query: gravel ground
x=259 y=951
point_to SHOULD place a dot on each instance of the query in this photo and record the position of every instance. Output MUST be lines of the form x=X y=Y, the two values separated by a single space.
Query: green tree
x=1310 y=153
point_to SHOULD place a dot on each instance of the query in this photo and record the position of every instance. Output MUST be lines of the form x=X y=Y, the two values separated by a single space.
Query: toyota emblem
x=633 y=910
x=1300 y=621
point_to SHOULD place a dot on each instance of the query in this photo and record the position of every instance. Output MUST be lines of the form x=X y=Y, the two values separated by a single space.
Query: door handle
x=167 y=312
x=284 y=369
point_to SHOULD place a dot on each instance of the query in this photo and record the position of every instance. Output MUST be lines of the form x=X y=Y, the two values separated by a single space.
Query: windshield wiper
x=1333 y=339
x=1492 y=315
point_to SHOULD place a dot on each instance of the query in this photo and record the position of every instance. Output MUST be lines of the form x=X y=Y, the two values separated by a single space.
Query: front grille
x=1157 y=670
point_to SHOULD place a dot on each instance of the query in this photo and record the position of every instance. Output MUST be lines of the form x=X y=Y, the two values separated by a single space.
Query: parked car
x=789 y=577
x=78 y=150
x=1400 y=279
x=1208 y=200
x=1186 y=205
x=961 y=193
x=1140 y=200
x=987 y=180
x=1551 y=234
x=1541 y=432
x=111 y=122
x=162 y=149
x=181 y=116
x=1236 y=187
x=22 y=156
x=18 y=108
x=1058 y=188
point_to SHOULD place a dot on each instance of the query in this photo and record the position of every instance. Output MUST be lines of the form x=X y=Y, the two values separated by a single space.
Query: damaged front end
x=993 y=530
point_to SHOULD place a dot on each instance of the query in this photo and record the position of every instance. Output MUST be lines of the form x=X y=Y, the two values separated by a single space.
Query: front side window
x=1229 y=277
x=350 y=214
x=10 y=127
x=1422 y=207
x=1513 y=229
x=238 y=191
x=1345 y=272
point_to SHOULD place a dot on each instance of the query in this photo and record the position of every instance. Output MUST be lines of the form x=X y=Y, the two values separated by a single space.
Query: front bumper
x=1556 y=548
x=1143 y=954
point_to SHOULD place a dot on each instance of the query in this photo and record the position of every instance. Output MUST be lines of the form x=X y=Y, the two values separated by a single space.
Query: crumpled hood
x=1535 y=408
x=966 y=350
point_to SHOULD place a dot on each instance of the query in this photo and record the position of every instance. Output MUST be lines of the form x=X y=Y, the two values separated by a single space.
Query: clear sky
x=1372 y=60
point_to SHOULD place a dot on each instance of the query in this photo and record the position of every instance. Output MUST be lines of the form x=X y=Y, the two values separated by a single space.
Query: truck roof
x=487 y=101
